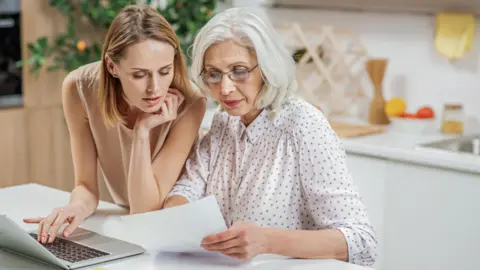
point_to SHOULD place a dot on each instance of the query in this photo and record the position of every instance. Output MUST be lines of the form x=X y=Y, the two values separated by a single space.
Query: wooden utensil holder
x=376 y=71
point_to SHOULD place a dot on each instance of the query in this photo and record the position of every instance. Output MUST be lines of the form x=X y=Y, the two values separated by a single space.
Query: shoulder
x=220 y=120
x=193 y=107
x=77 y=82
x=85 y=77
x=304 y=121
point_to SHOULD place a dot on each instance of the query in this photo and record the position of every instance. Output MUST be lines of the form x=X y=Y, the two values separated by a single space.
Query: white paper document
x=176 y=229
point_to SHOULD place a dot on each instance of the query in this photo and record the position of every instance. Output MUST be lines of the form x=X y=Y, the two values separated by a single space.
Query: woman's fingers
x=164 y=108
x=225 y=245
x=46 y=224
x=33 y=220
x=175 y=100
x=236 y=251
x=74 y=223
x=178 y=94
x=170 y=106
x=227 y=235
x=59 y=221
x=174 y=91
x=40 y=229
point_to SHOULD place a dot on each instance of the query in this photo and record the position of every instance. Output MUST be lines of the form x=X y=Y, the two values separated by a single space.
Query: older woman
x=271 y=160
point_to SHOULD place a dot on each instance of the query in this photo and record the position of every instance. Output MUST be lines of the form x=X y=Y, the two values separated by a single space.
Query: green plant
x=67 y=51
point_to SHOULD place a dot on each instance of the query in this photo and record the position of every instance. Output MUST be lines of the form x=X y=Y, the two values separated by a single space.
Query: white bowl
x=409 y=125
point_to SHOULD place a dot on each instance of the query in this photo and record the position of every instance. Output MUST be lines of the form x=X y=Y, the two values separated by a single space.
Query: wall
x=415 y=71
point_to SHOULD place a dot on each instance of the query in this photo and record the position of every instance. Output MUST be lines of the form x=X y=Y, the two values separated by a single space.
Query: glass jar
x=453 y=119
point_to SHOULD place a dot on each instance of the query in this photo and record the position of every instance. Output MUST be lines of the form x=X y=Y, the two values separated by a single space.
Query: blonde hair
x=133 y=24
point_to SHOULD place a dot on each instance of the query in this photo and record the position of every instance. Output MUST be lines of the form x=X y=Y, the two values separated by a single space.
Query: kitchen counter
x=400 y=146
x=404 y=147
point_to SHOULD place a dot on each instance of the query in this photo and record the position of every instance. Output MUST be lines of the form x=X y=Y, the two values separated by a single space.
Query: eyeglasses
x=237 y=74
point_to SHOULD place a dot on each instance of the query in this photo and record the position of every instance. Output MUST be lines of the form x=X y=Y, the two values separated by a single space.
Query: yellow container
x=453 y=119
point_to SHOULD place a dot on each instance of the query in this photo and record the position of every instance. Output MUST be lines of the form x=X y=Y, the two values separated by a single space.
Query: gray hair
x=274 y=60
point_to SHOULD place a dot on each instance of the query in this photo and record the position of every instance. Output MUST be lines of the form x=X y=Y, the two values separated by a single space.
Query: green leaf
x=43 y=42
x=52 y=67
x=31 y=47
x=61 y=40
x=192 y=27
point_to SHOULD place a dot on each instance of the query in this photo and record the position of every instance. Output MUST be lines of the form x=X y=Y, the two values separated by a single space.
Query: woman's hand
x=48 y=226
x=167 y=112
x=242 y=241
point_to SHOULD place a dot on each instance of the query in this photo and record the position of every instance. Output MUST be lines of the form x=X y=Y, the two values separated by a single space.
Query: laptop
x=82 y=248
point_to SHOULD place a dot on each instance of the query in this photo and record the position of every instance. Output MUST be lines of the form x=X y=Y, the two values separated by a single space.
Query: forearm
x=84 y=198
x=143 y=191
x=175 y=200
x=317 y=244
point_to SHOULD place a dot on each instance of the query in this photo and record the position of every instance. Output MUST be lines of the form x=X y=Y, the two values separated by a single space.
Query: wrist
x=277 y=240
x=175 y=200
x=141 y=132
x=80 y=208
x=270 y=238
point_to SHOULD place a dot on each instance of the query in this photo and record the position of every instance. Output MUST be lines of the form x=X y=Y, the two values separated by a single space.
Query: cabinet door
x=369 y=175
x=431 y=218
x=13 y=151
x=49 y=148
x=50 y=156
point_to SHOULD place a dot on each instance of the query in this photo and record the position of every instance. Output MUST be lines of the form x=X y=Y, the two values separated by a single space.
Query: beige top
x=113 y=144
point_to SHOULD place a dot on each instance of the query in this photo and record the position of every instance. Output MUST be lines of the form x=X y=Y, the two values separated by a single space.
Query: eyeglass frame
x=228 y=73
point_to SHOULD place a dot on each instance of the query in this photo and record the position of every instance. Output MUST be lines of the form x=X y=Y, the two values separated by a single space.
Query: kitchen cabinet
x=425 y=217
x=48 y=148
x=49 y=153
x=13 y=151
x=431 y=218
x=35 y=148
x=369 y=175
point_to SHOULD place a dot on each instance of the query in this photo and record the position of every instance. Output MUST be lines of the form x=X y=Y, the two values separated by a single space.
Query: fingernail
x=43 y=239
x=66 y=233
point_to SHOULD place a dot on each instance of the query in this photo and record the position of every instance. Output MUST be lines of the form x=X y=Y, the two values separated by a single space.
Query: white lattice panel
x=329 y=74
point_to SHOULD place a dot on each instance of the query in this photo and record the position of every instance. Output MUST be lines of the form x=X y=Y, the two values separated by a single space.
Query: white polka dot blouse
x=287 y=172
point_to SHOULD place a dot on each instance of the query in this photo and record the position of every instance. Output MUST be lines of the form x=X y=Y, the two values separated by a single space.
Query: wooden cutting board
x=347 y=130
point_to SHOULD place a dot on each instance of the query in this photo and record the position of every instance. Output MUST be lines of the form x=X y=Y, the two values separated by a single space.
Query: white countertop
x=401 y=146
x=404 y=147
x=34 y=200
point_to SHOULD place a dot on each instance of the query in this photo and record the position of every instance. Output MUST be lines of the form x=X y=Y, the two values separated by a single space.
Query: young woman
x=272 y=161
x=135 y=113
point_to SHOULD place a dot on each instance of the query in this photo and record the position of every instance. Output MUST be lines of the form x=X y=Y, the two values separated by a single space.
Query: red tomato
x=425 y=113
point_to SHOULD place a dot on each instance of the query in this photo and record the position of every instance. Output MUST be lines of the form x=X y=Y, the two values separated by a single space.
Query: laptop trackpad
x=89 y=238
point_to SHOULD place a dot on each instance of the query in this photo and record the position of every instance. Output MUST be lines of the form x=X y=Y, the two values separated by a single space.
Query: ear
x=111 y=66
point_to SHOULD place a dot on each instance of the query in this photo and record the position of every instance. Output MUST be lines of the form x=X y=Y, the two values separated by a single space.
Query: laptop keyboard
x=70 y=251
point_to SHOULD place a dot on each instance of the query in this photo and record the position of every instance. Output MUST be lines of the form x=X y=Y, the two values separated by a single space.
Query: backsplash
x=416 y=72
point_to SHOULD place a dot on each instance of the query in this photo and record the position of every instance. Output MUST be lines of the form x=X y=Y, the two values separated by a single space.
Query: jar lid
x=453 y=106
